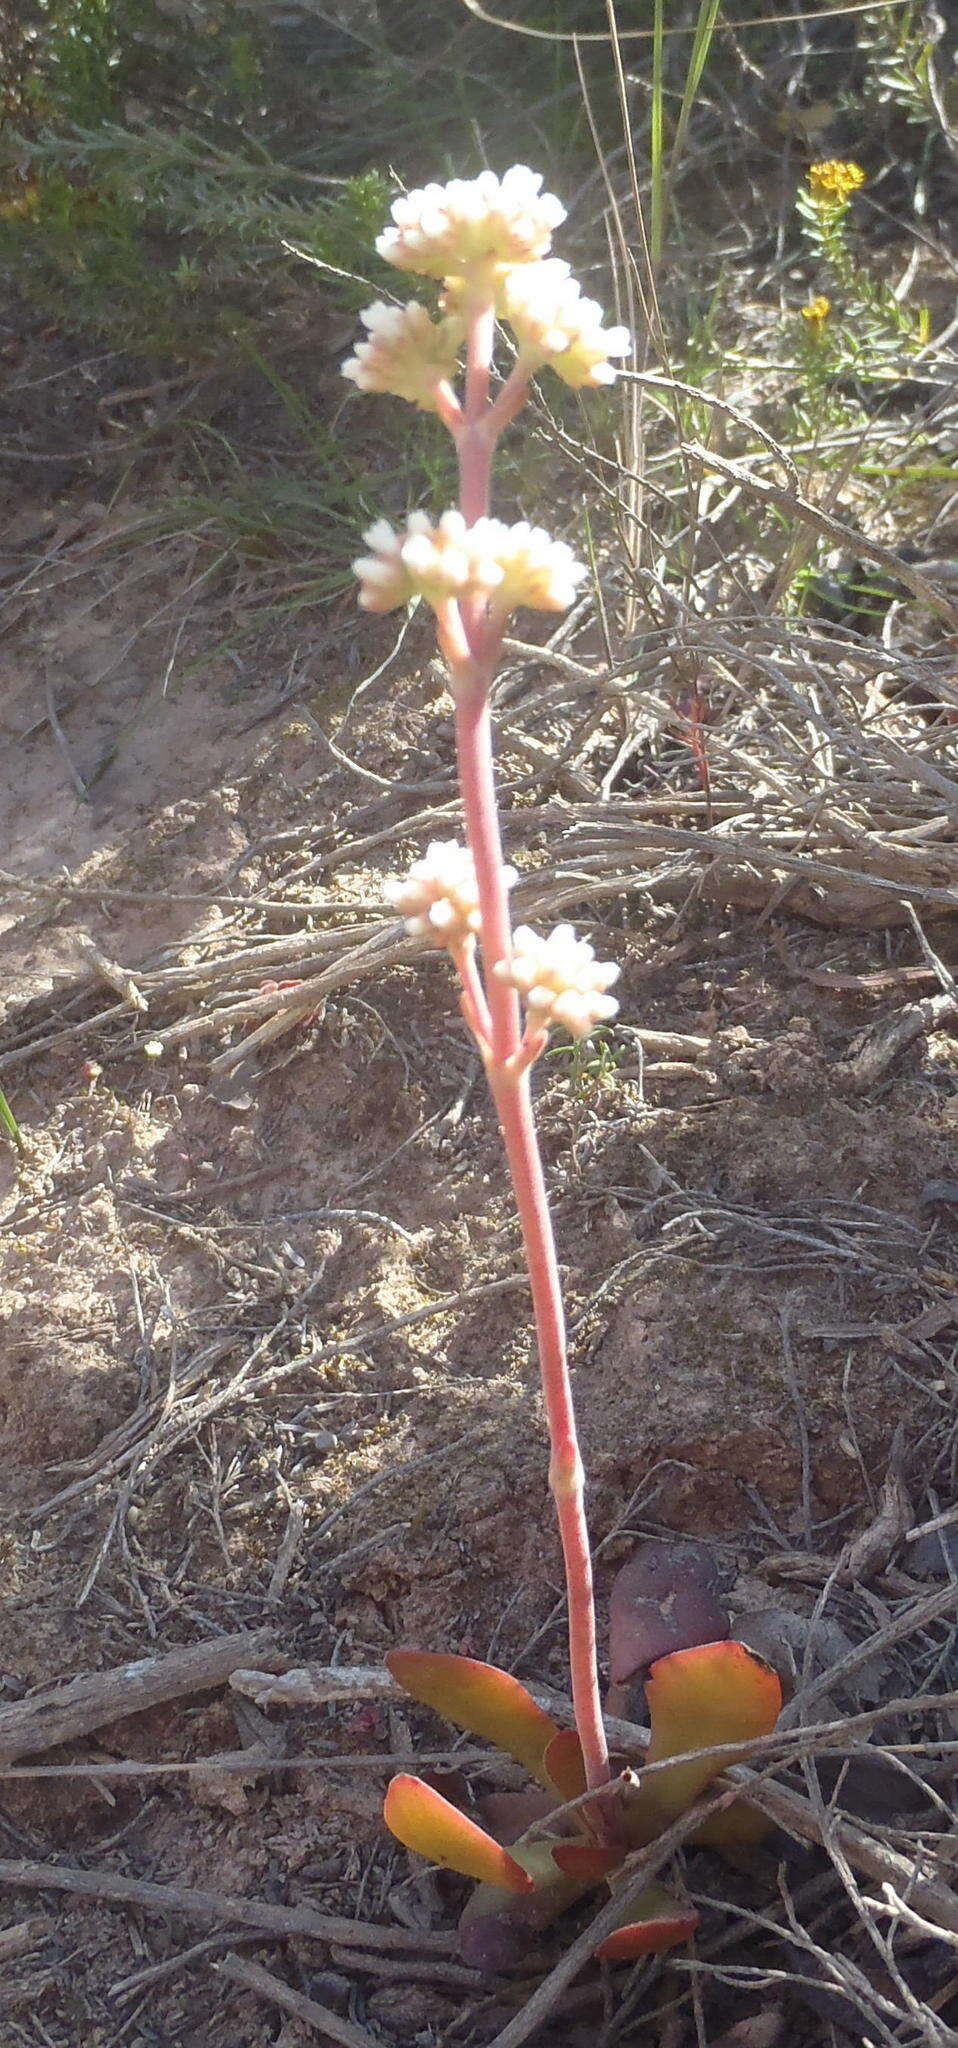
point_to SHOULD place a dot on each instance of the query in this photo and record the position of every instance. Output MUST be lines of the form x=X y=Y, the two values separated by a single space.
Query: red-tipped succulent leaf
x=660 y=1923
x=424 y=1821
x=480 y=1699
x=699 y=1699
x=563 y=1766
x=587 y=1859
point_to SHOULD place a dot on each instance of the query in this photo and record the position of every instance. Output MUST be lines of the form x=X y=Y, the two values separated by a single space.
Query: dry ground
x=265 y=1349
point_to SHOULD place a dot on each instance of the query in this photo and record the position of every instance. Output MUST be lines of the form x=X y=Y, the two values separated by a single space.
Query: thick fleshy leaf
x=498 y=1928
x=738 y=1827
x=659 y=1923
x=587 y=1859
x=480 y=1699
x=663 y=1599
x=698 y=1699
x=423 y=1820
x=563 y=1764
x=510 y=1815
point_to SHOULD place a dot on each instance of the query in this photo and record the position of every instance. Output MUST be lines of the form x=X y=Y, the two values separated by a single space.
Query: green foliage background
x=167 y=165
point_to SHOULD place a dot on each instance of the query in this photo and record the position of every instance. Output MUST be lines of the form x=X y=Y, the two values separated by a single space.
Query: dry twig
x=217 y=1908
x=320 y=2018
x=64 y=1712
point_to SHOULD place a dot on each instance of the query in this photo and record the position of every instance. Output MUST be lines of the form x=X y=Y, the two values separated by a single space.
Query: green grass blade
x=10 y=1124
x=657 y=140
x=701 y=44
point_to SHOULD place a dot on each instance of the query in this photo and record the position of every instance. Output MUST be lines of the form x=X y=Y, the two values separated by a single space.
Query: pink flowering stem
x=473 y=998
x=508 y=1071
x=476 y=441
x=566 y=1477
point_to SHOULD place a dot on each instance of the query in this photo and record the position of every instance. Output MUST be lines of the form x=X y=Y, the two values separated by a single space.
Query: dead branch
x=65 y=1712
x=885 y=1042
x=797 y=507
x=217 y=1909
x=24 y=1937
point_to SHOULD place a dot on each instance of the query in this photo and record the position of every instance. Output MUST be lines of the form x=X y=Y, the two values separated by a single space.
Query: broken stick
x=63 y=1712
x=885 y=1042
x=219 y=1909
x=253 y=1977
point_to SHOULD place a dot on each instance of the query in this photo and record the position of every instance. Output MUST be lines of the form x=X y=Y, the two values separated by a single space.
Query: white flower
x=536 y=570
x=554 y=324
x=439 y=898
x=407 y=353
x=451 y=559
x=560 y=979
x=509 y=565
x=383 y=579
x=468 y=224
x=423 y=561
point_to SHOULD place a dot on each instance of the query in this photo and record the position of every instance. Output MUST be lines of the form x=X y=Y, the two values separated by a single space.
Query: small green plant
x=82 y=51
x=870 y=320
x=852 y=339
x=824 y=204
x=589 y=1063
x=899 y=52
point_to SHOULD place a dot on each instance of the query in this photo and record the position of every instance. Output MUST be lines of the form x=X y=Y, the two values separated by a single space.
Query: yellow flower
x=817 y=312
x=833 y=182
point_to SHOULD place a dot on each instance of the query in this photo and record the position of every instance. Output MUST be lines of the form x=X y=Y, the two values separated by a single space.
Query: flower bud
x=471 y=225
x=560 y=980
x=439 y=898
x=407 y=353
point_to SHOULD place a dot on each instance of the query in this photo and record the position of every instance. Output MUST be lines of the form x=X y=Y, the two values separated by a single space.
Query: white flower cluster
x=560 y=980
x=553 y=323
x=487 y=239
x=535 y=570
x=439 y=898
x=407 y=353
x=504 y=565
x=491 y=234
x=446 y=230
x=435 y=562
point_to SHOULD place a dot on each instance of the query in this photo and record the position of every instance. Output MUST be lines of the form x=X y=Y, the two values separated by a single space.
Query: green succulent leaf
x=482 y=1700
